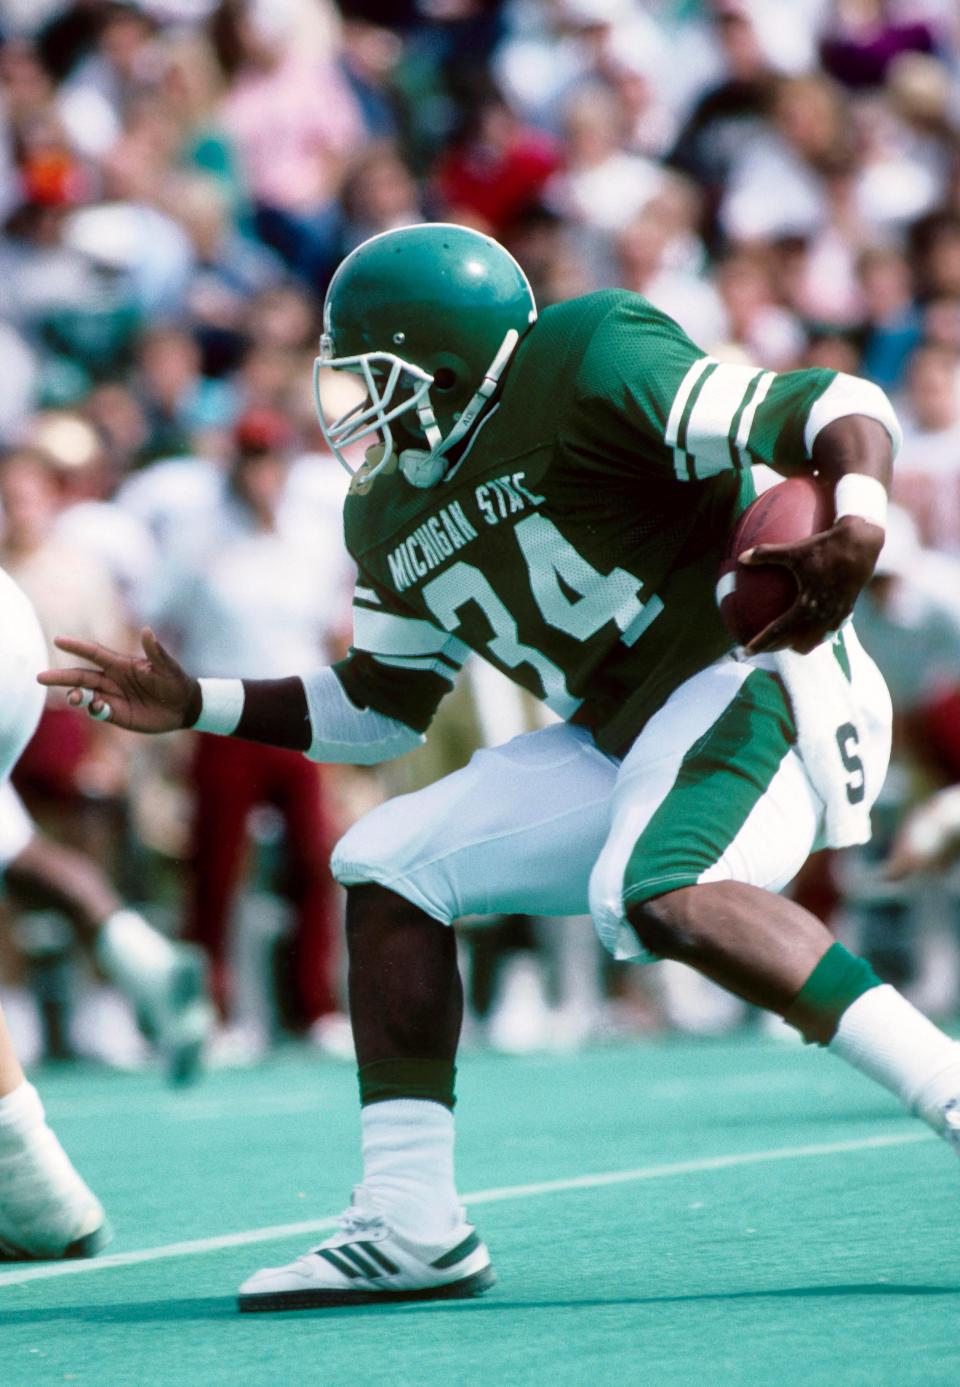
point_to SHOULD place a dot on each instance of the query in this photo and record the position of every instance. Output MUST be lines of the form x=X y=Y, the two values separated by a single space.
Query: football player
x=555 y=493
x=46 y=1209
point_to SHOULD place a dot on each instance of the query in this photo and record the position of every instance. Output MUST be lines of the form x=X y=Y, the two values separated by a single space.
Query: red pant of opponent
x=231 y=778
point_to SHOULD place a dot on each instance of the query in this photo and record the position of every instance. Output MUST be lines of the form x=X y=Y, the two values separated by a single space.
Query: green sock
x=431 y=1080
x=837 y=981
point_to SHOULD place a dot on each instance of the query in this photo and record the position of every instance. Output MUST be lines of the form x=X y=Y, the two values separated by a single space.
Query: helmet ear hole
x=444 y=378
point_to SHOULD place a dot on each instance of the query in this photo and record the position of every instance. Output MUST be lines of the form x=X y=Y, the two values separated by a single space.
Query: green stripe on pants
x=720 y=781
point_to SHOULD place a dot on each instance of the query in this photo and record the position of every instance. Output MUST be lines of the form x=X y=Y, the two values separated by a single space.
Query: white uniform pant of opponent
x=713 y=789
x=23 y=653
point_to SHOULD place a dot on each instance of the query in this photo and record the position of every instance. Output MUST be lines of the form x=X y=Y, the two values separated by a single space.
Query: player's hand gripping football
x=148 y=693
x=830 y=569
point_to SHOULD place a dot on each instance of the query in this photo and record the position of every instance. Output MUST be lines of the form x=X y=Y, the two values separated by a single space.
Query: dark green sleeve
x=648 y=397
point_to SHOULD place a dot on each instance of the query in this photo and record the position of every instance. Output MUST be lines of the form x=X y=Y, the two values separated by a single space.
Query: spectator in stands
x=177 y=400
x=768 y=333
x=891 y=322
x=379 y=193
x=98 y=92
x=809 y=136
x=73 y=772
x=263 y=592
x=648 y=264
x=730 y=113
x=927 y=480
x=495 y=168
x=292 y=147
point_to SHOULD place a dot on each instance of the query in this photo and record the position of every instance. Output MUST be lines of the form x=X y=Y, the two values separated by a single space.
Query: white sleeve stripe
x=682 y=396
x=749 y=414
x=424 y=663
x=381 y=633
x=846 y=395
x=366 y=594
x=711 y=419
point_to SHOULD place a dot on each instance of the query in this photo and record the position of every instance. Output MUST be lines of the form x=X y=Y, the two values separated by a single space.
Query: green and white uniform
x=576 y=545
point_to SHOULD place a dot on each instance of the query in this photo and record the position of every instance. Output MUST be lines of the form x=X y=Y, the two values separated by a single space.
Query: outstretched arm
x=152 y=693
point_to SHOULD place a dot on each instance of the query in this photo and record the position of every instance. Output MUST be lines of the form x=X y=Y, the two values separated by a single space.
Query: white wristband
x=856 y=494
x=221 y=706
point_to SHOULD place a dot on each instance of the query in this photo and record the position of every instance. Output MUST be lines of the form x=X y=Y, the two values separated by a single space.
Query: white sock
x=887 y=1039
x=21 y=1112
x=134 y=955
x=408 y=1166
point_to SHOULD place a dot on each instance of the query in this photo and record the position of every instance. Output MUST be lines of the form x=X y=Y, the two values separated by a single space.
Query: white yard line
x=45 y=1270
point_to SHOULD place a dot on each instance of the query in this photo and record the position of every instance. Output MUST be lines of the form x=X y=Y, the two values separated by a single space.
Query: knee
x=374 y=910
x=665 y=925
x=355 y=854
x=396 y=849
x=369 y=905
x=381 y=845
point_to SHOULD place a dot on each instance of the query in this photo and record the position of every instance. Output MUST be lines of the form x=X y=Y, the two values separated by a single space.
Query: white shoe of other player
x=181 y=1016
x=237 y=1045
x=46 y=1209
x=166 y=984
x=332 y=1035
x=368 y=1261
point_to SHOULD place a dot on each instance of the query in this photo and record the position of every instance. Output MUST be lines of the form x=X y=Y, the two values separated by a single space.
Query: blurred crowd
x=178 y=180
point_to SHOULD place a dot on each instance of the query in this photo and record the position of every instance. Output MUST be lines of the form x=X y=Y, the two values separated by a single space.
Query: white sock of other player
x=135 y=956
x=165 y=982
x=408 y=1166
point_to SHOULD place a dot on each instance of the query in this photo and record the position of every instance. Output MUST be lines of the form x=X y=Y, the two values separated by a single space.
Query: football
x=750 y=598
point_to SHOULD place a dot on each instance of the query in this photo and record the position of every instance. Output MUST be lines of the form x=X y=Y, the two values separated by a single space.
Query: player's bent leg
x=758 y=945
x=713 y=813
x=46 y=1209
x=773 y=953
x=517 y=829
x=705 y=829
x=712 y=790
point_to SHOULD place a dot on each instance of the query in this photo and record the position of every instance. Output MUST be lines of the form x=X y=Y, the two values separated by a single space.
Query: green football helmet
x=428 y=316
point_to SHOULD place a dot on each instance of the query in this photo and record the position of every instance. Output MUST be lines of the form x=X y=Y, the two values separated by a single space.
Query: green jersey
x=576 y=542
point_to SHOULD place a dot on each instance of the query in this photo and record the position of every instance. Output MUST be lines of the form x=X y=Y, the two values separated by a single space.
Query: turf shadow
x=128 y=1312
x=206 y=1308
x=496 y=1303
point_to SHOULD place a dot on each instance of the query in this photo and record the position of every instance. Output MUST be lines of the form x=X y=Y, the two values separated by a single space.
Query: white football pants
x=713 y=789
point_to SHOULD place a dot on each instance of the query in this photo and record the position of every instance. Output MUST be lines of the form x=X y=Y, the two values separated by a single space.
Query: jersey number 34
x=550 y=558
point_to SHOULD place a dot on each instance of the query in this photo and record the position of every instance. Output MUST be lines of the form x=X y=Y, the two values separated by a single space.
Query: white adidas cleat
x=367 y=1261
x=46 y=1209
